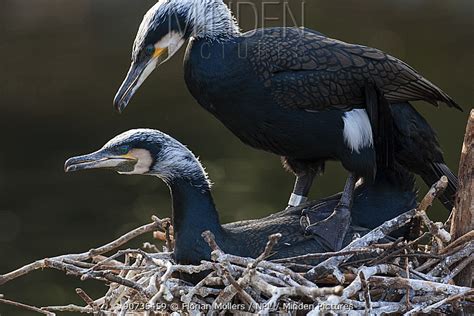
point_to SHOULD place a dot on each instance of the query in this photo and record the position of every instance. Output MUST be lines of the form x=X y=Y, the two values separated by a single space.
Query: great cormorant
x=290 y=91
x=150 y=152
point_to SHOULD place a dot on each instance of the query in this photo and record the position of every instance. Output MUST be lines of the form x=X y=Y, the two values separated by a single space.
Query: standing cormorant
x=291 y=91
x=150 y=152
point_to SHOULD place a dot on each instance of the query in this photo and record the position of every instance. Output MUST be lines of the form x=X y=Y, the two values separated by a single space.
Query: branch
x=25 y=306
x=40 y=264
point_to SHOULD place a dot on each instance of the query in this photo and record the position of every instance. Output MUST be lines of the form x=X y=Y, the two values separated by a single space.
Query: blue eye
x=149 y=50
x=124 y=149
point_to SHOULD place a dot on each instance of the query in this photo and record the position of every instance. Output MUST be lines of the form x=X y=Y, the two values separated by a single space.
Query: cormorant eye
x=123 y=150
x=149 y=50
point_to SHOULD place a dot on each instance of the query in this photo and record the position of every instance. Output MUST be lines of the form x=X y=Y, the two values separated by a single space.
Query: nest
x=428 y=273
x=403 y=276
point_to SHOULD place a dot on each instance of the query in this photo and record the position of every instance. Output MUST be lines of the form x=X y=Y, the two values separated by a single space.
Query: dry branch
x=41 y=264
x=26 y=306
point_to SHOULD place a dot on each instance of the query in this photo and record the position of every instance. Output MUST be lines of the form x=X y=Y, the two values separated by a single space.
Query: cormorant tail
x=417 y=149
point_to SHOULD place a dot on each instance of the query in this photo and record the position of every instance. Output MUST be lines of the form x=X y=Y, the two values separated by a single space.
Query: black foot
x=333 y=229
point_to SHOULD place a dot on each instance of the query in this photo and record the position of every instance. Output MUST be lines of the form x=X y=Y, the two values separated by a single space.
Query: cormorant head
x=143 y=151
x=164 y=29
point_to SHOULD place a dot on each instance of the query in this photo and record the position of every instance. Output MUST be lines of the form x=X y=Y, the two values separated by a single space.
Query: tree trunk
x=463 y=212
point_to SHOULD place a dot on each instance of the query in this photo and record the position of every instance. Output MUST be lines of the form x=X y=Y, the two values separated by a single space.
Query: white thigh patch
x=357 y=130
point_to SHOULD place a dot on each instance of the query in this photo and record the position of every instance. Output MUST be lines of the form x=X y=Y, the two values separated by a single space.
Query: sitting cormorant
x=290 y=91
x=150 y=152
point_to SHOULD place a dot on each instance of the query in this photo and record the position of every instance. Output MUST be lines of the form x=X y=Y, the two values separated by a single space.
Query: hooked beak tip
x=68 y=167
x=119 y=107
x=78 y=163
x=119 y=103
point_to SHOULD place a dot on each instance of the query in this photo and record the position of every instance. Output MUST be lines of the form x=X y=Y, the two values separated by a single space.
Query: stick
x=87 y=299
x=69 y=308
x=465 y=252
x=27 y=307
x=458 y=242
x=40 y=264
x=326 y=255
x=428 y=308
x=272 y=241
x=439 y=233
x=365 y=289
x=458 y=269
x=417 y=285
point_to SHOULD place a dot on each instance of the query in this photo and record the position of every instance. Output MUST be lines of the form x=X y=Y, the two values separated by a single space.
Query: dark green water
x=61 y=63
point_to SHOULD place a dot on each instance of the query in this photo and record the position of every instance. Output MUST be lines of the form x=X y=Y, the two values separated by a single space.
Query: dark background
x=61 y=63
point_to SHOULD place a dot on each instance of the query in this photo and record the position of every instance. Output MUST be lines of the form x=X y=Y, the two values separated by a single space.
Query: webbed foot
x=333 y=229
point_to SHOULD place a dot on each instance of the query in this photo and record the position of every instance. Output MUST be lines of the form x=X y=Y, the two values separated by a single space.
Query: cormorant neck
x=193 y=213
x=213 y=20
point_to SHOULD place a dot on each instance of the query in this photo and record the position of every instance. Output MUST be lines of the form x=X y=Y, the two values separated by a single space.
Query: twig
x=211 y=240
x=430 y=308
x=438 y=232
x=40 y=264
x=458 y=242
x=458 y=269
x=26 y=306
x=326 y=255
x=390 y=254
x=68 y=308
x=433 y=193
x=87 y=299
x=466 y=252
x=417 y=285
x=365 y=288
x=168 y=236
x=408 y=292
x=272 y=241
